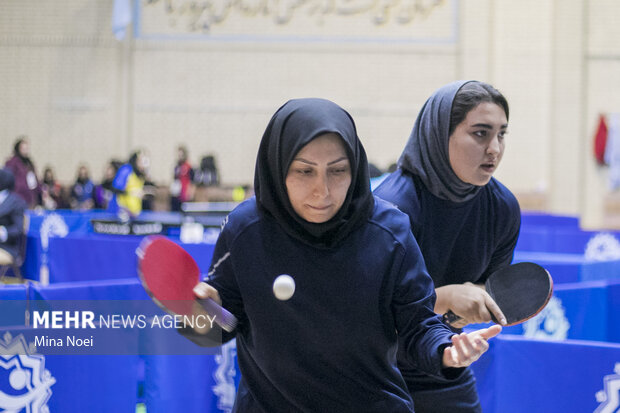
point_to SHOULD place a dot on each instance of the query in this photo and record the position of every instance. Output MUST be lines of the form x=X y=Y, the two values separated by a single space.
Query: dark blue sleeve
x=222 y=276
x=421 y=332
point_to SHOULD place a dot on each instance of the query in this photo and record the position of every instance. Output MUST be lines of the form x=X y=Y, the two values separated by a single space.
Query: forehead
x=487 y=112
x=327 y=147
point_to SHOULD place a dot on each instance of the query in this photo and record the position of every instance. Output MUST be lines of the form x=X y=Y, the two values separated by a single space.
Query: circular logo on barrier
x=24 y=383
x=52 y=226
x=550 y=324
x=602 y=247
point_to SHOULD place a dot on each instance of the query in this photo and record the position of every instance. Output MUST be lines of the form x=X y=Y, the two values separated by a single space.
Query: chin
x=313 y=219
x=478 y=180
x=318 y=220
x=483 y=182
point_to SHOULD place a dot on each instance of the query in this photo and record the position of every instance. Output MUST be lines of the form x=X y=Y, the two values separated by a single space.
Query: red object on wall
x=600 y=141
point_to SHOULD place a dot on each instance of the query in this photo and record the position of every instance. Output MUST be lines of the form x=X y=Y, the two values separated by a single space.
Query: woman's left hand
x=468 y=347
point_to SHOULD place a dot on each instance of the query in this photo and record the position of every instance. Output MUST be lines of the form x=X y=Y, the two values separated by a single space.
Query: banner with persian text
x=416 y=21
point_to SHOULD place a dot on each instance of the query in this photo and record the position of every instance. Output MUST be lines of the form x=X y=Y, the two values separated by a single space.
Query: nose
x=494 y=147
x=321 y=188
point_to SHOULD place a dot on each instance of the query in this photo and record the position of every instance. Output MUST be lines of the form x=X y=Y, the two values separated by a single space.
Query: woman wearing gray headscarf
x=465 y=221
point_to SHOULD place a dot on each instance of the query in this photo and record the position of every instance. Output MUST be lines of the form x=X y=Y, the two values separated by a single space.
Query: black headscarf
x=7 y=180
x=426 y=153
x=293 y=126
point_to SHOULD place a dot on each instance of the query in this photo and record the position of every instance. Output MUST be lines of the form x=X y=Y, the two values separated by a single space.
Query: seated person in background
x=83 y=190
x=52 y=195
x=207 y=182
x=103 y=191
x=376 y=175
x=128 y=187
x=207 y=175
x=12 y=208
x=150 y=194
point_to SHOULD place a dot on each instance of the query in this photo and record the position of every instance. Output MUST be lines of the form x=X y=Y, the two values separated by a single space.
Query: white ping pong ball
x=283 y=287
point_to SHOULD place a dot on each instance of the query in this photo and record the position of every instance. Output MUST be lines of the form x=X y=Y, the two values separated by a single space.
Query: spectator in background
x=374 y=170
x=83 y=190
x=376 y=175
x=149 y=193
x=103 y=191
x=181 y=189
x=52 y=195
x=22 y=168
x=128 y=187
x=12 y=208
x=207 y=175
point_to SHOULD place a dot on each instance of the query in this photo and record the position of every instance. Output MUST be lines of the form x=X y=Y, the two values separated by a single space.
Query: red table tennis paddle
x=520 y=290
x=168 y=274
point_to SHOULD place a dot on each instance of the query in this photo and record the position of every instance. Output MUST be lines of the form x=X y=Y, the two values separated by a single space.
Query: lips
x=319 y=208
x=489 y=167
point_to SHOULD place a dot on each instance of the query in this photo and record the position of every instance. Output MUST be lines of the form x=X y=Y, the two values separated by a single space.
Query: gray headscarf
x=426 y=153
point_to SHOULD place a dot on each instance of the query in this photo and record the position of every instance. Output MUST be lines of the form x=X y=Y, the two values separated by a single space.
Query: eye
x=303 y=171
x=339 y=169
x=481 y=133
x=502 y=134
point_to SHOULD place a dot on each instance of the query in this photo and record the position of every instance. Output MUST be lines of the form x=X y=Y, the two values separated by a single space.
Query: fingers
x=204 y=290
x=201 y=290
x=494 y=309
x=472 y=303
x=200 y=328
x=467 y=348
x=487 y=333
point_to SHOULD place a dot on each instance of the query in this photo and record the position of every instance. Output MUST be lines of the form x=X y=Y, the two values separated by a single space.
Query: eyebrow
x=314 y=163
x=487 y=126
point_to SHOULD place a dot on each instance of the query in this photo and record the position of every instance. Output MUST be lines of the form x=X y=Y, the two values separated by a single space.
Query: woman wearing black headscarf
x=12 y=209
x=464 y=220
x=359 y=278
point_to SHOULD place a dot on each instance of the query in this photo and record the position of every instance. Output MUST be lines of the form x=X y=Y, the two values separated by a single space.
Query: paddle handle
x=449 y=318
x=223 y=317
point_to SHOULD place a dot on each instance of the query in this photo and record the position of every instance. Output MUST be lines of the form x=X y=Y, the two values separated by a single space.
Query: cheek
x=343 y=187
x=295 y=190
x=456 y=155
x=470 y=154
x=290 y=189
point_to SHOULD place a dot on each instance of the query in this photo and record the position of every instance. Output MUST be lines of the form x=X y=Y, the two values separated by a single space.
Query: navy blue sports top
x=332 y=346
x=463 y=241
